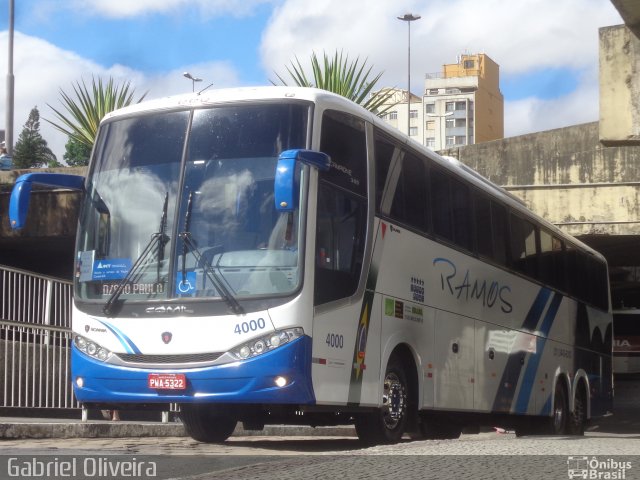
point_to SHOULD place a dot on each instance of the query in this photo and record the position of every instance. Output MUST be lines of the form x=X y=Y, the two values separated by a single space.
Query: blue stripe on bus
x=126 y=342
x=513 y=367
x=528 y=381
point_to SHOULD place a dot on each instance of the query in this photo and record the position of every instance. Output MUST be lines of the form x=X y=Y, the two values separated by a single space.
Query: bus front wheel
x=205 y=423
x=387 y=425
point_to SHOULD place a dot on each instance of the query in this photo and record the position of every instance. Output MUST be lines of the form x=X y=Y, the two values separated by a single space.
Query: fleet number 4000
x=250 y=326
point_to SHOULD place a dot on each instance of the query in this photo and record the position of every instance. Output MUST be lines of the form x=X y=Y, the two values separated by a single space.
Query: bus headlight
x=91 y=348
x=267 y=343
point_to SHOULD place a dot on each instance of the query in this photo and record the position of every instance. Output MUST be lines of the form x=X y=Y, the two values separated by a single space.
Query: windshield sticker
x=111 y=269
x=84 y=267
x=186 y=286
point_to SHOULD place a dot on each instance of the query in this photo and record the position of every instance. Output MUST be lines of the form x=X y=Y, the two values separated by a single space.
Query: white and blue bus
x=280 y=255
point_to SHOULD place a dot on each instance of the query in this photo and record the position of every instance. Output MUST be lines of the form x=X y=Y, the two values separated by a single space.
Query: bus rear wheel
x=206 y=423
x=388 y=424
x=558 y=423
x=579 y=416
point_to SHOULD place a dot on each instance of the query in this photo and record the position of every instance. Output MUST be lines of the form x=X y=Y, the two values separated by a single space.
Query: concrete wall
x=619 y=86
x=567 y=176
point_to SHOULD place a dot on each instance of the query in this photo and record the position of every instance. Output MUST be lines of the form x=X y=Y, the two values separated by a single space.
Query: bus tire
x=578 y=418
x=387 y=425
x=205 y=423
x=558 y=423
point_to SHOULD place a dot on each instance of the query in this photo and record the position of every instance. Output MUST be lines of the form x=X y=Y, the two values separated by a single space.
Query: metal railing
x=35 y=341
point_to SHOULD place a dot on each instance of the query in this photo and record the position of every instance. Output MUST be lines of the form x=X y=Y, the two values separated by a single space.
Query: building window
x=393 y=115
x=449 y=106
x=430 y=108
x=461 y=105
x=431 y=124
x=460 y=140
x=451 y=140
x=449 y=123
x=461 y=122
x=430 y=142
x=413 y=114
x=413 y=131
x=469 y=64
x=433 y=91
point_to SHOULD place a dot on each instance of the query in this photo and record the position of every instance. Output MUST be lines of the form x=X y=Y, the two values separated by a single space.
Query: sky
x=547 y=50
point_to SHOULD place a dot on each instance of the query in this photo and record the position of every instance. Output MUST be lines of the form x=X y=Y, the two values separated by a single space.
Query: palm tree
x=339 y=75
x=84 y=113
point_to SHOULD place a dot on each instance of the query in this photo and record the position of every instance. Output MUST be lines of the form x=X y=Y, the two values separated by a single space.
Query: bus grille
x=169 y=359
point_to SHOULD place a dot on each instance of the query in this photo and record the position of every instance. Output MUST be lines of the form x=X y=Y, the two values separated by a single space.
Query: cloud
x=33 y=87
x=534 y=114
x=134 y=8
x=521 y=36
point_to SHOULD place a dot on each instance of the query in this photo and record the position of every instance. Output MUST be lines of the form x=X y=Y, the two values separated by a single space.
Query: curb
x=18 y=429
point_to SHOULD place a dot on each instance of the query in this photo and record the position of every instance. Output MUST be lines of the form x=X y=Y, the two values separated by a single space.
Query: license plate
x=167 y=381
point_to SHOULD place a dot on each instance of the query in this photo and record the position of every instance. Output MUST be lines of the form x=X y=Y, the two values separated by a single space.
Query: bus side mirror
x=285 y=188
x=21 y=193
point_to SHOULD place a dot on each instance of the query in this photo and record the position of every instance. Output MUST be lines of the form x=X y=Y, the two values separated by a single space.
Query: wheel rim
x=394 y=398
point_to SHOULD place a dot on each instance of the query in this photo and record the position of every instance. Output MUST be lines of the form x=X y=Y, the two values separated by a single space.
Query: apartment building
x=461 y=105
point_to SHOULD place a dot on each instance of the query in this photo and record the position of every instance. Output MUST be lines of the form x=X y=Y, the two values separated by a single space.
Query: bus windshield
x=181 y=205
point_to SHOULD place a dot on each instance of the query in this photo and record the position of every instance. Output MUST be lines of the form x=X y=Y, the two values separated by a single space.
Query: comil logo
x=596 y=468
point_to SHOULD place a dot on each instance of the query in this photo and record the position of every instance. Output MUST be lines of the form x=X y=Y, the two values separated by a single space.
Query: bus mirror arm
x=21 y=192
x=285 y=188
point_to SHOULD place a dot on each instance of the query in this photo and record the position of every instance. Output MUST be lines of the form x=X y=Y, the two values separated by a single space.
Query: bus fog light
x=281 y=381
x=80 y=382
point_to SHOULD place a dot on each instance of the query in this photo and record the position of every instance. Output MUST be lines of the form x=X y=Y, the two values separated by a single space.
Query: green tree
x=339 y=75
x=88 y=108
x=76 y=154
x=31 y=150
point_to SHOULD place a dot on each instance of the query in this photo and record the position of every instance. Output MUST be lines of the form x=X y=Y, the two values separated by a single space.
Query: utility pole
x=10 y=82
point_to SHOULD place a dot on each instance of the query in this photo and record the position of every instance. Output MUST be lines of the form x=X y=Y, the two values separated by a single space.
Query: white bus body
x=387 y=287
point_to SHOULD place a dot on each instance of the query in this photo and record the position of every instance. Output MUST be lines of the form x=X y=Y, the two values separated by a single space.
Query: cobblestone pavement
x=485 y=455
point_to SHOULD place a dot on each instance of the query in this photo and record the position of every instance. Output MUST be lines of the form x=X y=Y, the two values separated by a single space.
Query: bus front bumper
x=248 y=381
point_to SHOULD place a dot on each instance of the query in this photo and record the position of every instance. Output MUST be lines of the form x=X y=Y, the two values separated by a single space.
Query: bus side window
x=342 y=208
x=441 y=204
x=551 y=260
x=523 y=246
x=410 y=197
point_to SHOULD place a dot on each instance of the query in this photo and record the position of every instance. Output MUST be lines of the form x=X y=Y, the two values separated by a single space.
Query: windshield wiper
x=160 y=238
x=188 y=245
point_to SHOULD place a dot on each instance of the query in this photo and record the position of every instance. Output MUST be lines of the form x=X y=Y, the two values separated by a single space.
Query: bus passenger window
x=441 y=204
x=410 y=197
x=339 y=244
x=461 y=210
x=523 y=246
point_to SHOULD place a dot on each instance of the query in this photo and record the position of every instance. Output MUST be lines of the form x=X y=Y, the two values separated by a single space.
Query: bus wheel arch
x=398 y=413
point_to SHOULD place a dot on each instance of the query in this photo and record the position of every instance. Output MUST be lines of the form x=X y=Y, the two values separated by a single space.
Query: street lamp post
x=409 y=17
x=193 y=80
x=435 y=115
x=10 y=86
